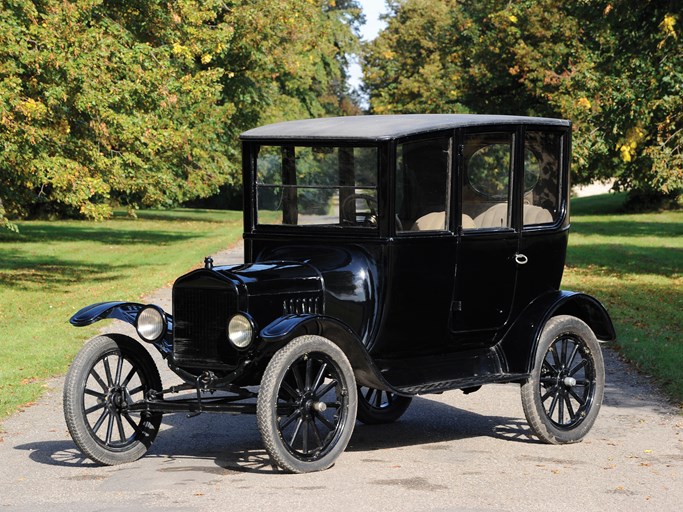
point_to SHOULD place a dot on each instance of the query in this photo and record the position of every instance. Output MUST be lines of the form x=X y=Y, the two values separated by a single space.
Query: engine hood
x=274 y=278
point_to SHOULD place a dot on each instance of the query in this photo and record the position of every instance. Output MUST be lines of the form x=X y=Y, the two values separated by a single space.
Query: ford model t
x=385 y=257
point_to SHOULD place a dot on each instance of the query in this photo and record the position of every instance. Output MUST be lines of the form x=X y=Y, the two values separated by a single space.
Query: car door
x=485 y=275
x=421 y=254
x=543 y=237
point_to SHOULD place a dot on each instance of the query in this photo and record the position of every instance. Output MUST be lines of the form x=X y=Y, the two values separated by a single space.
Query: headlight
x=151 y=323
x=240 y=331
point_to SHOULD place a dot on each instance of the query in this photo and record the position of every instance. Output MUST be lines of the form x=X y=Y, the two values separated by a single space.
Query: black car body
x=385 y=256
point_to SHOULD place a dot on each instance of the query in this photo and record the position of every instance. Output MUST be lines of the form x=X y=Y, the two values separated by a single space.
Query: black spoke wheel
x=306 y=407
x=562 y=397
x=376 y=406
x=108 y=375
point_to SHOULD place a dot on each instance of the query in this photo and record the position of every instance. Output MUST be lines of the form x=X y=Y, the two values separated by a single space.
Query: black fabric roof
x=373 y=128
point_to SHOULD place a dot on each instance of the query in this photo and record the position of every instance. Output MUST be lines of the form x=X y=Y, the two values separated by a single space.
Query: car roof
x=375 y=128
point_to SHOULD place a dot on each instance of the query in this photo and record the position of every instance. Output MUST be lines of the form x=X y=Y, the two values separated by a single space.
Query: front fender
x=289 y=327
x=125 y=311
x=521 y=341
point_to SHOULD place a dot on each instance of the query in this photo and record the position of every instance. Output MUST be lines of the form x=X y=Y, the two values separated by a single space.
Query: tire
x=108 y=374
x=376 y=406
x=306 y=406
x=562 y=398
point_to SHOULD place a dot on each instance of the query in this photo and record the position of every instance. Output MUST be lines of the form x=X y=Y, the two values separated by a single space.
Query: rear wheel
x=109 y=374
x=306 y=407
x=562 y=397
x=376 y=406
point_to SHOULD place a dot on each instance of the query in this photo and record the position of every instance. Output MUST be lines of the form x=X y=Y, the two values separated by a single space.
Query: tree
x=140 y=102
x=614 y=68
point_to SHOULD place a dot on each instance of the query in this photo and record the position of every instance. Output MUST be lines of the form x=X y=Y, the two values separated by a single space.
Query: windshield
x=317 y=186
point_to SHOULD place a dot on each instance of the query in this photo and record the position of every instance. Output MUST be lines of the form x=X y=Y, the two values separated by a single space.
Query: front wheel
x=109 y=374
x=562 y=397
x=306 y=407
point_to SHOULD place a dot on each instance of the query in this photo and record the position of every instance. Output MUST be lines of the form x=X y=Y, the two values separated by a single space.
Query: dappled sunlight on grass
x=51 y=269
x=634 y=265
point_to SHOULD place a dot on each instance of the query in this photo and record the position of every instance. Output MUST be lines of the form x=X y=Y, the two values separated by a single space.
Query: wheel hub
x=309 y=404
x=116 y=398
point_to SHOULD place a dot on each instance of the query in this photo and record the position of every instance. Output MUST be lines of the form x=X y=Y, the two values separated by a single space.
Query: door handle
x=521 y=259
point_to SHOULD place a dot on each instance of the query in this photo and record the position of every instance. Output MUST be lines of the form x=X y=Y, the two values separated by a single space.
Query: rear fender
x=286 y=328
x=520 y=343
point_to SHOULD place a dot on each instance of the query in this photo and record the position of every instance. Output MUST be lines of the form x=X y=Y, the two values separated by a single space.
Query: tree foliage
x=614 y=67
x=140 y=102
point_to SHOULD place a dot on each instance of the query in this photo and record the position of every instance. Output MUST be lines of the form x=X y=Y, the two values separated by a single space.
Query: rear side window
x=543 y=156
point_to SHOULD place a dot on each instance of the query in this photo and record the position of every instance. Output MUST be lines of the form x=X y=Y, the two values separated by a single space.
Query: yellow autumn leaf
x=668 y=24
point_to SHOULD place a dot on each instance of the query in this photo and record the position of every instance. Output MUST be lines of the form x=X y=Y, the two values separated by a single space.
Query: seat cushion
x=536 y=215
x=494 y=217
x=433 y=221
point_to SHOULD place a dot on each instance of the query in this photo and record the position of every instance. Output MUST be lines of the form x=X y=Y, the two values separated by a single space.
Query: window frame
x=514 y=133
x=450 y=138
x=250 y=172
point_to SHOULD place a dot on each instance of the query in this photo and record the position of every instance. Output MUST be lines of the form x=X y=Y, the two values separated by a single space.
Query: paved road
x=450 y=452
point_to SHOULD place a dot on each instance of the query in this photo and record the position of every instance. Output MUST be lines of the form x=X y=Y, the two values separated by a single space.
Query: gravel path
x=450 y=452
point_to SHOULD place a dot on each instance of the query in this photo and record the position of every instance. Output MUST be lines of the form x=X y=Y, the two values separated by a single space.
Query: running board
x=465 y=383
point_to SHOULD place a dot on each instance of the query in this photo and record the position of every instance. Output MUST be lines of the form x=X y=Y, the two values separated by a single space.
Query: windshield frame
x=252 y=224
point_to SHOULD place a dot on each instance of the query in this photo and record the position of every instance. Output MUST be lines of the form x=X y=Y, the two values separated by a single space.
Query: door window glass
x=423 y=185
x=487 y=186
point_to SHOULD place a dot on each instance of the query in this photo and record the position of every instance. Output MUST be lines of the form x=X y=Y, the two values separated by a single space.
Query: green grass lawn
x=634 y=265
x=51 y=269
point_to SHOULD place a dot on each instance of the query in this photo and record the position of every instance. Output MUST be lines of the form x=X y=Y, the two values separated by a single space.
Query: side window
x=423 y=185
x=542 y=166
x=486 y=185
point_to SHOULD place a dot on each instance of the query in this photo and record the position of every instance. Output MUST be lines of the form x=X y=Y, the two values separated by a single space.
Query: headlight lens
x=240 y=331
x=151 y=323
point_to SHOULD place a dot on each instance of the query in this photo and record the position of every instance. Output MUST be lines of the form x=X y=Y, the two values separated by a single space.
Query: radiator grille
x=200 y=317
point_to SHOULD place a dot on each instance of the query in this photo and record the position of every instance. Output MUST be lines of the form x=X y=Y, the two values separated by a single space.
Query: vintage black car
x=385 y=257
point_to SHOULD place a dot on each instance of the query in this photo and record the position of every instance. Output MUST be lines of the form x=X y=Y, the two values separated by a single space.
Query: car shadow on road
x=429 y=421
x=233 y=443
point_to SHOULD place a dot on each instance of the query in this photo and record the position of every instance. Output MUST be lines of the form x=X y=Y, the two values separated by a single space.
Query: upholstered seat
x=433 y=221
x=496 y=216
x=536 y=215
x=436 y=221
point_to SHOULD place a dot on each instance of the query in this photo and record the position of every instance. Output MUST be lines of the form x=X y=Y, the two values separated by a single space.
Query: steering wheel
x=348 y=213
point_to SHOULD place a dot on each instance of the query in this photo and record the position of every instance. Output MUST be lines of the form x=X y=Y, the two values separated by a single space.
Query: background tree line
x=614 y=67
x=140 y=102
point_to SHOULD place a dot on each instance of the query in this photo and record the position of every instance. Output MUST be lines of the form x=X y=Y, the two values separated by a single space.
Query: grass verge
x=51 y=269
x=634 y=265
